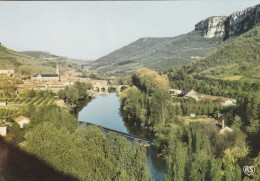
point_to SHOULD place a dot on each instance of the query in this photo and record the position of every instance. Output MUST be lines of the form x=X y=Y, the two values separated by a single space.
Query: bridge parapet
x=127 y=135
x=105 y=89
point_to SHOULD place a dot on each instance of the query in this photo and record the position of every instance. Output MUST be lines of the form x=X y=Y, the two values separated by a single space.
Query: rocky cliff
x=158 y=53
x=234 y=24
x=212 y=27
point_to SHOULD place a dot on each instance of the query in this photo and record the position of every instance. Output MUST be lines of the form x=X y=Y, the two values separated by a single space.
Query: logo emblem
x=249 y=170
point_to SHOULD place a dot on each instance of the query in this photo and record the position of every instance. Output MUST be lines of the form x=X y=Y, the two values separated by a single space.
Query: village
x=13 y=86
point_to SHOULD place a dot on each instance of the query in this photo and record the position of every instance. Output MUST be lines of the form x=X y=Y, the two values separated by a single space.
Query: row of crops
x=4 y=113
x=33 y=98
x=37 y=100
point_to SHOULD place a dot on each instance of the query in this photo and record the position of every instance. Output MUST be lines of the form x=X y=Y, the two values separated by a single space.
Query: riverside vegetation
x=87 y=153
x=194 y=152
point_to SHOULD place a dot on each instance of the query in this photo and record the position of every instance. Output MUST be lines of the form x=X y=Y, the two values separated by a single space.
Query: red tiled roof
x=209 y=98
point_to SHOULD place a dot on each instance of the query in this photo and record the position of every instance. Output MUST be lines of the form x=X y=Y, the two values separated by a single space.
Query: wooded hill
x=209 y=34
x=50 y=56
x=32 y=62
x=239 y=59
x=156 y=53
x=24 y=64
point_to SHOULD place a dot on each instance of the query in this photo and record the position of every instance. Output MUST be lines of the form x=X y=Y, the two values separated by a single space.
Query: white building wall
x=227 y=103
x=3 y=103
x=3 y=131
x=6 y=71
x=23 y=122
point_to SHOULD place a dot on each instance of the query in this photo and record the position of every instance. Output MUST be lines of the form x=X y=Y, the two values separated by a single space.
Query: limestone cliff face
x=234 y=24
x=241 y=21
x=212 y=27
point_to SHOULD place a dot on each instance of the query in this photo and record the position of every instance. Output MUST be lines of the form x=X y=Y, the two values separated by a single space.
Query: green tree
x=216 y=171
x=148 y=80
x=16 y=134
x=158 y=106
x=176 y=162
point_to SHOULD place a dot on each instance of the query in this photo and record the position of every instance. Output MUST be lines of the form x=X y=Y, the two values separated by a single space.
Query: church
x=47 y=77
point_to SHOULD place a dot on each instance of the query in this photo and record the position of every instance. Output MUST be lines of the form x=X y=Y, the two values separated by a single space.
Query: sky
x=89 y=30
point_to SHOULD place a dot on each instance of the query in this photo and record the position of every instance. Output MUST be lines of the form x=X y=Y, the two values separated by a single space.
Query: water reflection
x=105 y=111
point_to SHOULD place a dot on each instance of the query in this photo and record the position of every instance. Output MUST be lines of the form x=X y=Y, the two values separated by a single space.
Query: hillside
x=49 y=56
x=157 y=53
x=39 y=54
x=10 y=59
x=237 y=60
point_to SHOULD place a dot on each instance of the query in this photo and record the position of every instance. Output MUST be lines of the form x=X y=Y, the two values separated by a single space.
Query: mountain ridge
x=157 y=53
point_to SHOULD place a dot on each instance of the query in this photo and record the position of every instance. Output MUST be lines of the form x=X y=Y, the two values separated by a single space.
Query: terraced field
x=15 y=105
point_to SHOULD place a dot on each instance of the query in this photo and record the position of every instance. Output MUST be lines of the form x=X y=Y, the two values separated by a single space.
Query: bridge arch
x=103 y=89
x=111 y=89
x=123 y=87
x=97 y=89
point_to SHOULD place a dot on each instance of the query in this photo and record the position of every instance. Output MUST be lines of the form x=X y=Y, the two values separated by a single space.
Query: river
x=105 y=111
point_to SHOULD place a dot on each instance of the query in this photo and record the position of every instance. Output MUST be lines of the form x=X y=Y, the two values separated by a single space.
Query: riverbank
x=105 y=111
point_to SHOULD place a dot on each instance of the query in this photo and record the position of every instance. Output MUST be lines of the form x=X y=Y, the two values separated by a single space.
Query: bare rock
x=236 y=23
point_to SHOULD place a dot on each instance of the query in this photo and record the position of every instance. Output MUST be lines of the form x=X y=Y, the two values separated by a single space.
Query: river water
x=105 y=111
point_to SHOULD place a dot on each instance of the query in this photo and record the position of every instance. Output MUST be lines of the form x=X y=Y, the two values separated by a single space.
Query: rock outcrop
x=212 y=27
x=241 y=21
x=234 y=24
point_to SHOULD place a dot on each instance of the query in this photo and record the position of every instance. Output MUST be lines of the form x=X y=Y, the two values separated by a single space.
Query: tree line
x=192 y=151
x=84 y=152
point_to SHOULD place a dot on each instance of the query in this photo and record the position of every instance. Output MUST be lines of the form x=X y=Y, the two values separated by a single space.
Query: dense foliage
x=87 y=153
x=147 y=80
x=147 y=101
x=195 y=156
x=194 y=152
x=74 y=93
x=247 y=94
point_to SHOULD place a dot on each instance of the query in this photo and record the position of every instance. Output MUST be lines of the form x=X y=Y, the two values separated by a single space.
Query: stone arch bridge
x=109 y=88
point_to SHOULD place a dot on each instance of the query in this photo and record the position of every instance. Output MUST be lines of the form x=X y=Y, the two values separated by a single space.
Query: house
x=21 y=120
x=189 y=93
x=60 y=102
x=3 y=130
x=226 y=102
x=9 y=72
x=225 y=129
x=209 y=98
x=192 y=115
x=3 y=103
x=174 y=92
